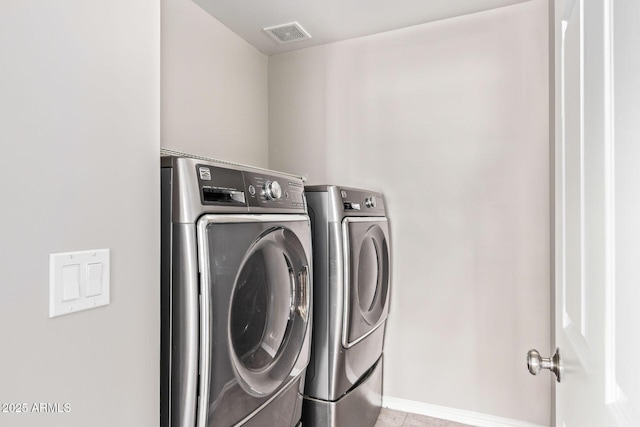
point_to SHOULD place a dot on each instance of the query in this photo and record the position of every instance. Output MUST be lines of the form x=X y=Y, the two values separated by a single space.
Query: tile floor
x=391 y=418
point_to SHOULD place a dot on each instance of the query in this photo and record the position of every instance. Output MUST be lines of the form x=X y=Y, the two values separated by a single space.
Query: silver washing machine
x=236 y=295
x=351 y=303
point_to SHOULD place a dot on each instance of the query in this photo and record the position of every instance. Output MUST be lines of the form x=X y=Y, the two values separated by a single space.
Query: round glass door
x=368 y=277
x=373 y=275
x=269 y=311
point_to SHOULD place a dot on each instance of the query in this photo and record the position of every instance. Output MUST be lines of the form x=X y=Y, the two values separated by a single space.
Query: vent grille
x=288 y=33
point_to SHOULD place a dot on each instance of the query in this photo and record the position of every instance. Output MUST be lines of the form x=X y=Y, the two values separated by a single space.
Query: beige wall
x=214 y=88
x=450 y=121
x=79 y=132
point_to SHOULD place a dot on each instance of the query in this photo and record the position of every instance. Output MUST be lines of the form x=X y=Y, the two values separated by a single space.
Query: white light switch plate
x=78 y=281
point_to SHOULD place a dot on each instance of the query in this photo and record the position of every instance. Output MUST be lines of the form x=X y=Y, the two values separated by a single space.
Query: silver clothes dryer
x=351 y=304
x=236 y=295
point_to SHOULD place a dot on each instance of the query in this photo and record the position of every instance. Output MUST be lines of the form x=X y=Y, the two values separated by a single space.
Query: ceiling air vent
x=288 y=33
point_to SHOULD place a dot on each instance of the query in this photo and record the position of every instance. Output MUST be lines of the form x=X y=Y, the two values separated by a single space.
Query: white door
x=597 y=212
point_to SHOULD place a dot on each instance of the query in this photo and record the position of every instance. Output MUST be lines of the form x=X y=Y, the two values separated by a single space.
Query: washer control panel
x=274 y=191
x=220 y=186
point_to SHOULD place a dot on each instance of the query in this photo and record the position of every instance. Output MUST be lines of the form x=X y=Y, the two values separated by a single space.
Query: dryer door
x=367 y=264
x=255 y=311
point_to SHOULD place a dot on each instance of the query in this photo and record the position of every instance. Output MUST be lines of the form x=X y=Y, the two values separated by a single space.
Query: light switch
x=78 y=281
x=70 y=282
x=94 y=279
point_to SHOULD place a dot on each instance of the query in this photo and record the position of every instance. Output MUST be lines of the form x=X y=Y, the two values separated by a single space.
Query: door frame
x=553 y=137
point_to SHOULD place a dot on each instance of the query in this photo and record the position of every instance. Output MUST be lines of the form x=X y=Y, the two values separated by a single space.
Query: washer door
x=366 y=248
x=255 y=317
x=269 y=310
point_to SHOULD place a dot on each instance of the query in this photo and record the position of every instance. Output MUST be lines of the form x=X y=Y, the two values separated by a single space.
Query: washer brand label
x=205 y=174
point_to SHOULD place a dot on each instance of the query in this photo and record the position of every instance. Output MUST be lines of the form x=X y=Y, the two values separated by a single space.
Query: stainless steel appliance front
x=236 y=295
x=351 y=303
x=254 y=311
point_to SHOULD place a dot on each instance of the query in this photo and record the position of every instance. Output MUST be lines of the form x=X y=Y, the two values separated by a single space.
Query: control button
x=252 y=190
x=272 y=190
x=370 y=202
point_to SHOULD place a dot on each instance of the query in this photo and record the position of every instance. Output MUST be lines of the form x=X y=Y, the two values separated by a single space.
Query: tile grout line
x=404 y=418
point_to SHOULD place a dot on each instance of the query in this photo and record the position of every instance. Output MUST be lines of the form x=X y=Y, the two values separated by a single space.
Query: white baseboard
x=452 y=414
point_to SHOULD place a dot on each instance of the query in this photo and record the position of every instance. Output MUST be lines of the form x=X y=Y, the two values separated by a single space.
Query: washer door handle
x=303 y=294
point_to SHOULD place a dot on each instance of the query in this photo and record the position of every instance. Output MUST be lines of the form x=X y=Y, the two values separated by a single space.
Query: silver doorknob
x=535 y=363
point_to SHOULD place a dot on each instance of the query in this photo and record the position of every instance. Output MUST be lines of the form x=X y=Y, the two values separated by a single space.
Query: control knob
x=272 y=190
x=370 y=202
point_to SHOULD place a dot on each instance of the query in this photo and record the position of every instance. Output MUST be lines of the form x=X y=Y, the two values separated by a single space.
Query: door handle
x=303 y=303
x=535 y=363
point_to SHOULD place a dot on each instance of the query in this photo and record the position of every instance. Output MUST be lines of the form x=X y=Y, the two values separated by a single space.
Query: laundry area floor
x=391 y=418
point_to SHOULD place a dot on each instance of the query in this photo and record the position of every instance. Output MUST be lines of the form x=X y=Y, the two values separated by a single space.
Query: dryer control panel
x=363 y=202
